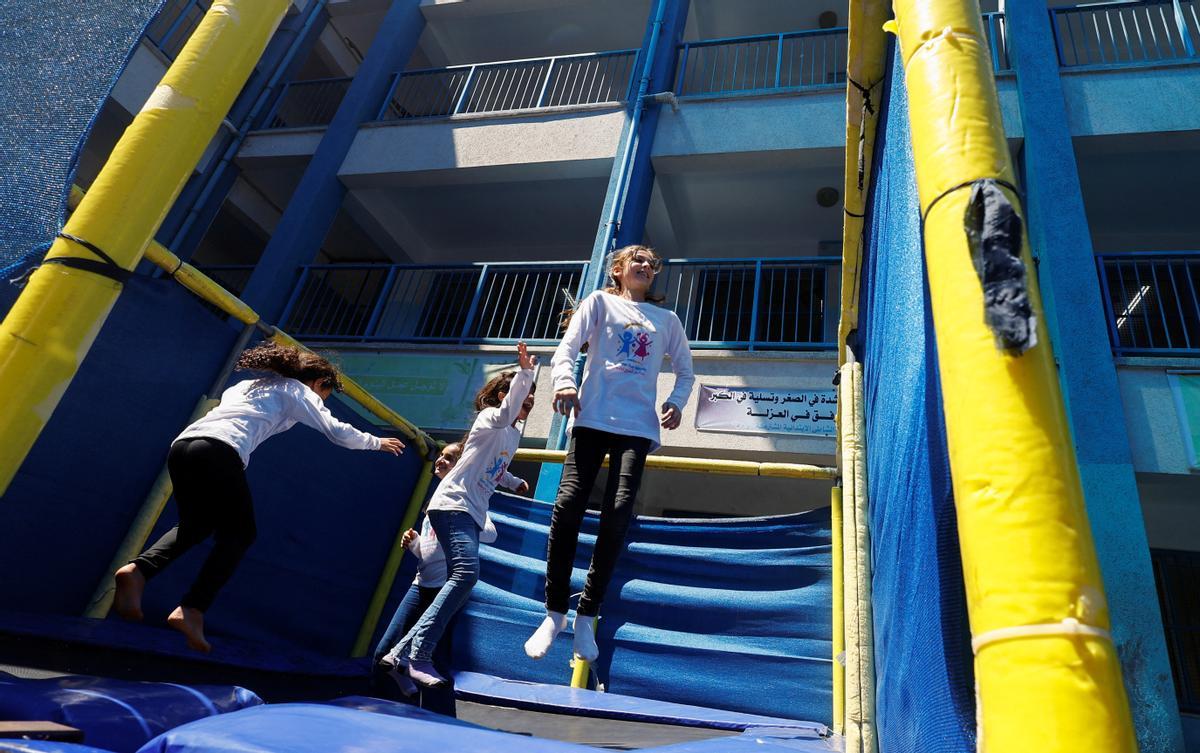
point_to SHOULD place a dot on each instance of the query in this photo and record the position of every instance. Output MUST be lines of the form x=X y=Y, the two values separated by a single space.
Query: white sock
x=539 y=643
x=585 y=638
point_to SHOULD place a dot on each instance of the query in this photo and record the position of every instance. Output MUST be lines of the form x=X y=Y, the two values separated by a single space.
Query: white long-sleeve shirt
x=254 y=410
x=626 y=344
x=493 y=439
x=431 y=558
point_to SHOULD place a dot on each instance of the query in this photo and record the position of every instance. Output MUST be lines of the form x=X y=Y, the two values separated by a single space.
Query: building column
x=314 y=205
x=1061 y=241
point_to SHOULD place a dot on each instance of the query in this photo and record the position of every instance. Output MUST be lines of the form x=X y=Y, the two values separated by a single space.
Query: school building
x=416 y=184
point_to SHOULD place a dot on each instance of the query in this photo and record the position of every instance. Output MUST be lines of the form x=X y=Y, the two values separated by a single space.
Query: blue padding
x=923 y=661
x=158 y=644
x=60 y=59
x=113 y=714
x=560 y=699
x=312 y=728
x=760 y=740
x=728 y=614
x=393 y=708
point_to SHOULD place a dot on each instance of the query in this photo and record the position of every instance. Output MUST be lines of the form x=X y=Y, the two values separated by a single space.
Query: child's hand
x=391 y=444
x=523 y=358
x=409 y=535
x=567 y=400
x=523 y=488
x=671 y=416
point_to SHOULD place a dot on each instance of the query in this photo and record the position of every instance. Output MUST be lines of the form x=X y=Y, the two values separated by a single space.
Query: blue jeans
x=416 y=600
x=459 y=537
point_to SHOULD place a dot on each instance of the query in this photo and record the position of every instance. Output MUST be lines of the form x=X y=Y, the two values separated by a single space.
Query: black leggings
x=585 y=454
x=213 y=500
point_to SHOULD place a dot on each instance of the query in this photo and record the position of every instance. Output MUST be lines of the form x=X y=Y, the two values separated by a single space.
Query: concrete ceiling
x=738 y=206
x=1139 y=190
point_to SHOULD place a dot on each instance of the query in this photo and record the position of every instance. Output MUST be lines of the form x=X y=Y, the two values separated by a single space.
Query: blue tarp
x=726 y=614
x=923 y=661
x=116 y=715
x=58 y=61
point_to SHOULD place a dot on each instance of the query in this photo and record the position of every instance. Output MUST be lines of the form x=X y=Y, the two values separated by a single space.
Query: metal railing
x=308 y=103
x=995 y=29
x=1127 y=32
x=469 y=303
x=723 y=303
x=562 y=81
x=769 y=62
x=1152 y=302
x=174 y=24
x=789 y=304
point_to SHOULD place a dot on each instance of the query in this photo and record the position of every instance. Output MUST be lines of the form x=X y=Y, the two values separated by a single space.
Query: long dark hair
x=284 y=360
x=489 y=395
x=616 y=260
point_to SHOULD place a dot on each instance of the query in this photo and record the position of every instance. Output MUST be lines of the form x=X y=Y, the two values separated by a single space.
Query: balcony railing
x=787 y=304
x=996 y=32
x=563 y=81
x=1152 y=302
x=472 y=303
x=737 y=303
x=308 y=103
x=1126 y=33
x=770 y=62
x=174 y=24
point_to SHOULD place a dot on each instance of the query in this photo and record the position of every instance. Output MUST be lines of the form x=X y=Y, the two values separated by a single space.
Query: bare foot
x=128 y=599
x=190 y=622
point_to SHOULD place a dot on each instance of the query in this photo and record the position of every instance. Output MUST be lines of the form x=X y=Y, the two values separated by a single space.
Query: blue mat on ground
x=113 y=714
x=46 y=746
x=394 y=708
x=728 y=614
x=313 y=728
x=923 y=662
x=59 y=60
x=560 y=699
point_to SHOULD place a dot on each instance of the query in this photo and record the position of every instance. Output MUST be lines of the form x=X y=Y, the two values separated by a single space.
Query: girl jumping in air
x=614 y=410
x=458 y=509
x=207 y=465
x=431 y=574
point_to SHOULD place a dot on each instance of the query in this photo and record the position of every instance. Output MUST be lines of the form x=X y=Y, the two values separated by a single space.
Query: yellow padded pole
x=384 y=587
x=52 y=325
x=1037 y=609
x=839 y=612
x=865 y=47
x=703 y=465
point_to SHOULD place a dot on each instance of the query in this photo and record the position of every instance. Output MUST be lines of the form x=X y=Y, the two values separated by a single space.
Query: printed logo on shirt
x=633 y=348
x=495 y=472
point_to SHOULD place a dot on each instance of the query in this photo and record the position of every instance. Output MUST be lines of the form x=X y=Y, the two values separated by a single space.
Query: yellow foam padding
x=702 y=465
x=362 y=643
x=1027 y=552
x=865 y=65
x=580 y=669
x=52 y=325
x=839 y=611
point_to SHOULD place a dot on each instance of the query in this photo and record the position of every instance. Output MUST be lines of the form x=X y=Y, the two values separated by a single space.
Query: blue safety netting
x=113 y=714
x=727 y=614
x=923 y=662
x=58 y=61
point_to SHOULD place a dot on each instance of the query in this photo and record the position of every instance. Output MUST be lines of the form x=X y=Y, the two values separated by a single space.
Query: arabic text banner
x=748 y=410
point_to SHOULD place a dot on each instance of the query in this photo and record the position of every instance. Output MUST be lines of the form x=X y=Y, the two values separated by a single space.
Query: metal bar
x=755 y=303
x=381 y=301
x=1187 y=339
x=474 y=305
x=1185 y=35
x=466 y=88
x=541 y=100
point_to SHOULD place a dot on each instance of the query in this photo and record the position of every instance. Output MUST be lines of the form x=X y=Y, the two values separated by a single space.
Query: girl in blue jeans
x=458 y=509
